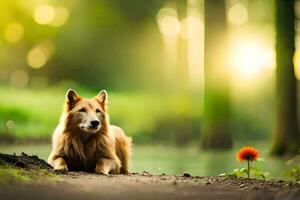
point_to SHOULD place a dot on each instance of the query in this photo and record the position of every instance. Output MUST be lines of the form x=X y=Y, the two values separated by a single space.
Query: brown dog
x=85 y=141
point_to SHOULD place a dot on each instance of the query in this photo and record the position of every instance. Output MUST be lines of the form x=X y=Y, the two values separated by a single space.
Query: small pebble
x=185 y=174
x=289 y=184
x=23 y=154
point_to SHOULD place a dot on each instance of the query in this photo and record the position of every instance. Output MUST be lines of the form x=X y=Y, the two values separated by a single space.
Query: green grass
x=147 y=116
x=27 y=113
x=12 y=174
x=33 y=114
x=15 y=174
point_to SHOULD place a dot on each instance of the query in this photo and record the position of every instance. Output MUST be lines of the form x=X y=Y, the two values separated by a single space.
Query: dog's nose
x=94 y=123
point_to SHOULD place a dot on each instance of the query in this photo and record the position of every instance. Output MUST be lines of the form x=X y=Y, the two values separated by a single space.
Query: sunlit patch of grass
x=13 y=174
x=8 y=174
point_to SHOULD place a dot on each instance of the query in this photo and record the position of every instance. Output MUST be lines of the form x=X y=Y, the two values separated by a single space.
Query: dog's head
x=88 y=115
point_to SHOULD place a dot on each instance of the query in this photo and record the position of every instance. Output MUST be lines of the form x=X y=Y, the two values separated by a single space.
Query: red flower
x=247 y=153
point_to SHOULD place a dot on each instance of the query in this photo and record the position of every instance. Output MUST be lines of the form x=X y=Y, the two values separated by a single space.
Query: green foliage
x=242 y=172
x=236 y=173
x=293 y=170
x=293 y=173
x=258 y=173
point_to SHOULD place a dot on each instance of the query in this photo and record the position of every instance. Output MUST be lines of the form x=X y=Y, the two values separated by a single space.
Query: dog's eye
x=82 y=110
x=97 y=110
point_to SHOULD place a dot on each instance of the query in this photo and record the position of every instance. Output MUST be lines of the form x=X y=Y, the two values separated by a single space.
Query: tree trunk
x=286 y=135
x=216 y=119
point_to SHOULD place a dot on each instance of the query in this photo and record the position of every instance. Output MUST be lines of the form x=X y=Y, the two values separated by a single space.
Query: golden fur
x=76 y=147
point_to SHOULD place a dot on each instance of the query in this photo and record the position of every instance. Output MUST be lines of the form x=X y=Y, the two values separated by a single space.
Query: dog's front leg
x=106 y=166
x=59 y=164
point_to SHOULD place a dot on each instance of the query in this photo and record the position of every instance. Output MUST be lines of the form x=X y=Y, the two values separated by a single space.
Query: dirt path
x=80 y=185
x=76 y=185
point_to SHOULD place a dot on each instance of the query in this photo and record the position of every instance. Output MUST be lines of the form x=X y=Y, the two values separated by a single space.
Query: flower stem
x=248 y=172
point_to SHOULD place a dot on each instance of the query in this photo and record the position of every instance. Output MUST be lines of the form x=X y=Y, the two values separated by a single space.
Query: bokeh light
x=47 y=47
x=191 y=26
x=36 y=58
x=238 y=14
x=19 y=78
x=13 y=32
x=164 y=12
x=10 y=124
x=44 y=14
x=169 y=26
x=250 y=58
x=168 y=22
x=61 y=17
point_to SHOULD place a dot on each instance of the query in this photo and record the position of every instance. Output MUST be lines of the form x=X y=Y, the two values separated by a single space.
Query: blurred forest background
x=176 y=71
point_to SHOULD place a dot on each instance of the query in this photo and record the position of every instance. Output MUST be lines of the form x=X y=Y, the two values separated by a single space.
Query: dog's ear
x=102 y=97
x=71 y=98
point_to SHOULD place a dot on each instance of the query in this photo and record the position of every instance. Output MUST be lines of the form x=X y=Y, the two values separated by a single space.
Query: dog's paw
x=125 y=172
x=61 y=168
x=101 y=172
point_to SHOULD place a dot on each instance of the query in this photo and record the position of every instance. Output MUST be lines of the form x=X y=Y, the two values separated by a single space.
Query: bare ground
x=81 y=185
